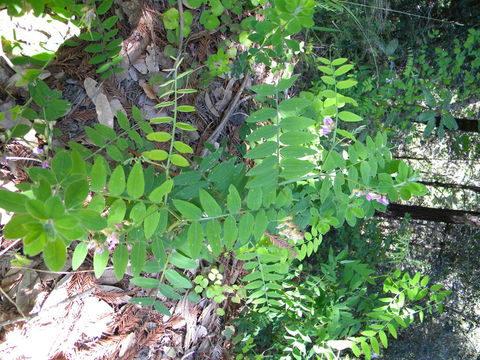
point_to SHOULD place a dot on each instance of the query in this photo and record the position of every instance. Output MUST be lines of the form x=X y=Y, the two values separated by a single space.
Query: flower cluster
x=370 y=196
x=328 y=125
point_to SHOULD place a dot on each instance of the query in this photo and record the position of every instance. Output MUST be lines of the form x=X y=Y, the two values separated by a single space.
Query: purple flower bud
x=382 y=201
x=37 y=151
x=325 y=130
x=4 y=161
x=370 y=196
x=112 y=241
x=45 y=164
x=328 y=121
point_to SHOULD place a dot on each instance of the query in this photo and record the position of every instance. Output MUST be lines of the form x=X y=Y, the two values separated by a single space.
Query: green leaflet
x=213 y=232
x=117 y=212
x=230 y=232
x=263 y=150
x=245 y=228
x=187 y=209
x=234 y=202
x=266 y=131
x=195 y=239
x=177 y=280
x=157 y=194
x=179 y=160
x=136 y=181
x=98 y=174
x=79 y=255
x=144 y=282
x=138 y=212
x=254 y=198
x=91 y=220
x=120 y=261
x=100 y=261
x=116 y=185
x=182 y=261
x=138 y=257
x=55 y=254
x=349 y=116
x=209 y=204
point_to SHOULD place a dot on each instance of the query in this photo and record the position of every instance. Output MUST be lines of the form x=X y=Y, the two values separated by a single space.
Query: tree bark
x=451 y=186
x=468 y=125
x=433 y=214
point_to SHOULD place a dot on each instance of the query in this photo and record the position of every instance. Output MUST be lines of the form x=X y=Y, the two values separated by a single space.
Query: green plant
x=212 y=287
x=425 y=88
x=322 y=313
x=101 y=36
x=153 y=216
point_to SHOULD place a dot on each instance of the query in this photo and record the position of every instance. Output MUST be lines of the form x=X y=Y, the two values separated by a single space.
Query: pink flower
x=328 y=125
x=328 y=121
x=378 y=198
x=383 y=201
x=112 y=241
x=370 y=196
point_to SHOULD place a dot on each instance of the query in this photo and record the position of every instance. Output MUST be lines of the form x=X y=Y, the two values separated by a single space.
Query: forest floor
x=67 y=315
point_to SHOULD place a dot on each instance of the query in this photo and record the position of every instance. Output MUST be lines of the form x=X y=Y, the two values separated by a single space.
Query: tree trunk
x=451 y=186
x=469 y=125
x=433 y=214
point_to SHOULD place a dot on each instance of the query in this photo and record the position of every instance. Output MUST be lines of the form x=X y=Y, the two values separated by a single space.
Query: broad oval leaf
x=98 y=174
x=76 y=193
x=156 y=155
x=138 y=212
x=36 y=208
x=79 y=255
x=91 y=220
x=349 y=116
x=120 y=261
x=179 y=160
x=343 y=70
x=150 y=224
x=266 y=131
x=116 y=185
x=55 y=254
x=230 y=232
x=158 y=193
x=345 y=84
x=234 y=201
x=185 y=126
x=138 y=257
x=12 y=201
x=262 y=115
x=182 y=261
x=159 y=136
x=297 y=138
x=213 y=233
x=261 y=151
x=209 y=204
x=100 y=261
x=185 y=108
x=264 y=89
x=182 y=147
x=188 y=210
x=136 y=181
x=144 y=282
x=195 y=239
x=177 y=280
x=117 y=212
